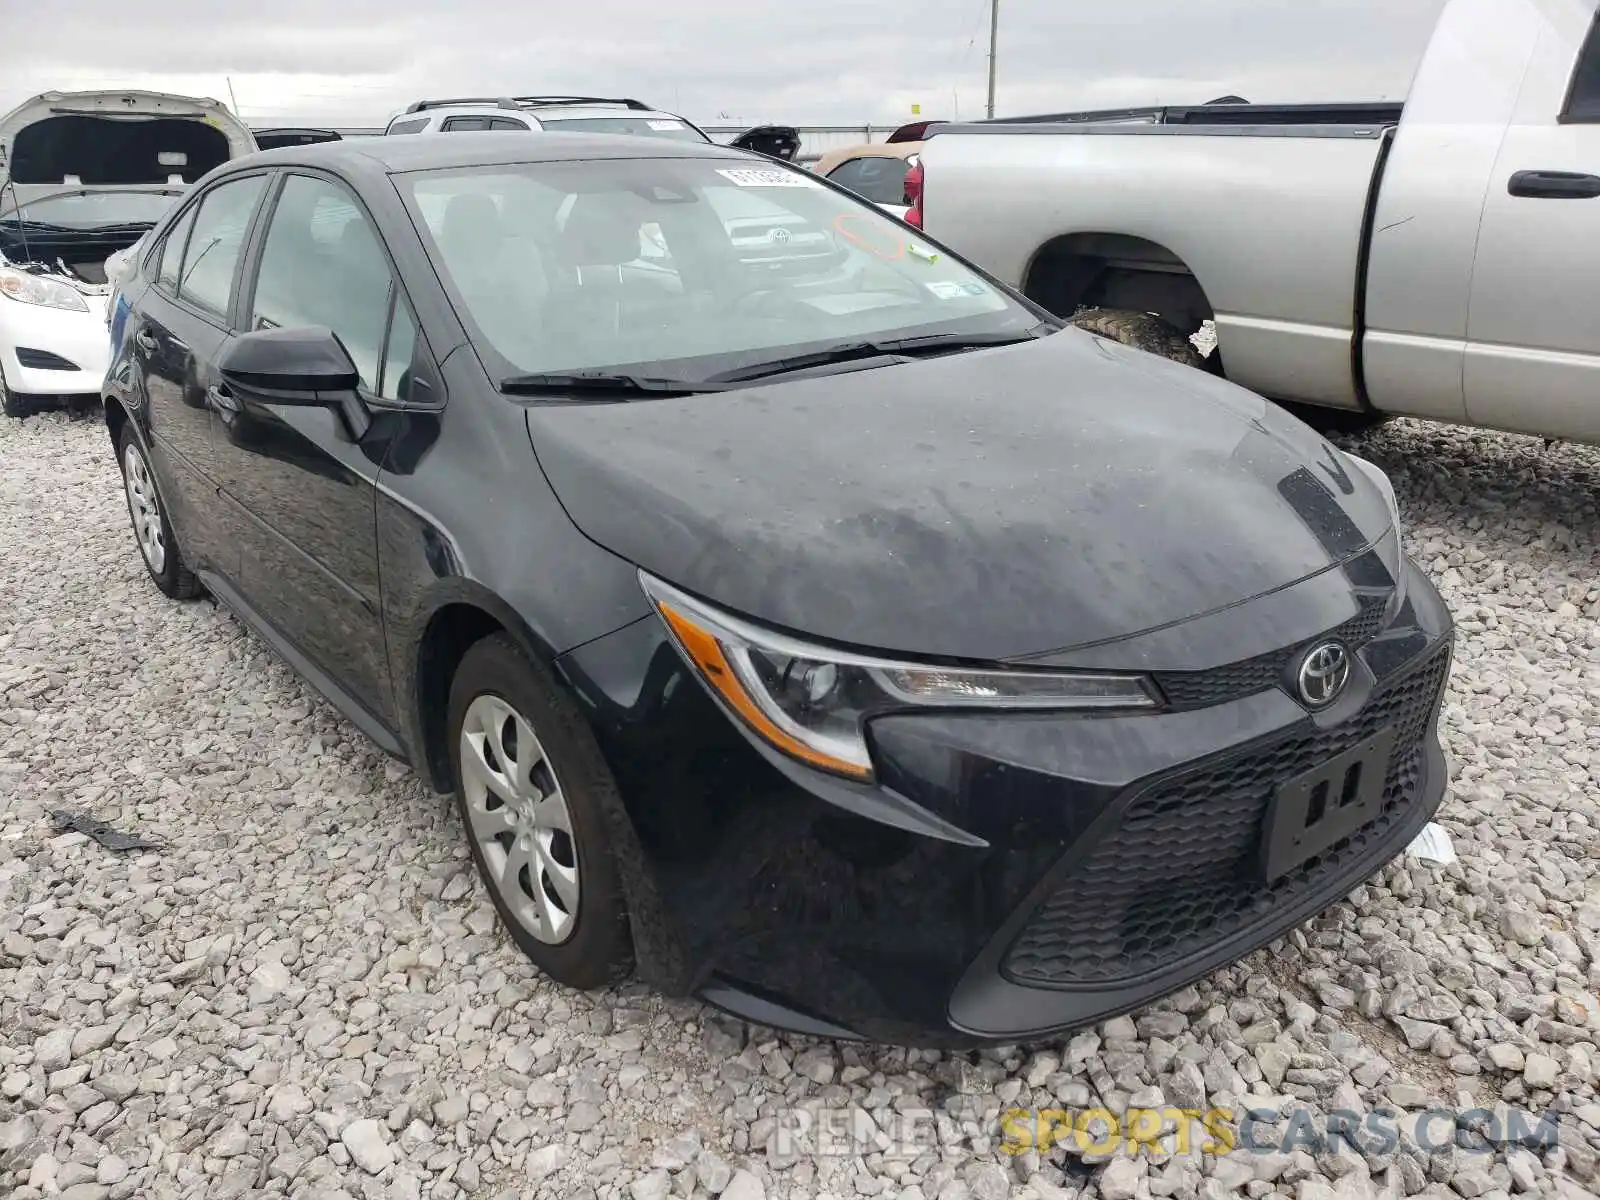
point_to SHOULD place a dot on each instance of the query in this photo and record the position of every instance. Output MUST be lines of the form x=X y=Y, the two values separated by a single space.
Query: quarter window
x=212 y=254
x=398 y=353
x=323 y=264
x=1583 y=101
x=415 y=125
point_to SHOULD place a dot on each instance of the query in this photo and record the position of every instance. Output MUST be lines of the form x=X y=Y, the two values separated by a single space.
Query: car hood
x=990 y=505
x=88 y=158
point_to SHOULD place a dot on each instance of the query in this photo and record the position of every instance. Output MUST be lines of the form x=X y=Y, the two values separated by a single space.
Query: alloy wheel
x=145 y=507
x=518 y=816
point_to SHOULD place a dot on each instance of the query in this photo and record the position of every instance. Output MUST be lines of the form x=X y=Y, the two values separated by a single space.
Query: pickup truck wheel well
x=1117 y=271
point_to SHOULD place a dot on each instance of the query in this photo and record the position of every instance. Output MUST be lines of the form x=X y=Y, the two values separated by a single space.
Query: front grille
x=1197 y=689
x=1179 y=872
x=43 y=360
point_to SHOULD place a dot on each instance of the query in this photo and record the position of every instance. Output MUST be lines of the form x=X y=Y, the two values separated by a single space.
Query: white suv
x=571 y=114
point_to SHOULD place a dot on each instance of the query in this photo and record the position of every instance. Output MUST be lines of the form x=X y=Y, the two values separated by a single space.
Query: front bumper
x=76 y=344
x=1012 y=876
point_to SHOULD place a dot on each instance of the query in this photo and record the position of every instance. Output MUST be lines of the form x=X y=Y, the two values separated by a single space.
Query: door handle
x=222 y=399
x=146 y=340
x=1554 y=185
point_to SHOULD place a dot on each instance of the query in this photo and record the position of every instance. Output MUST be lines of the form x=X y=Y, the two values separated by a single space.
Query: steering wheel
x=765 y=300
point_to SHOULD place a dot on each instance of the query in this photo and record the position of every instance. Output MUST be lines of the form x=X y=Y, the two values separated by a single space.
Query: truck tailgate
x=1268 y=220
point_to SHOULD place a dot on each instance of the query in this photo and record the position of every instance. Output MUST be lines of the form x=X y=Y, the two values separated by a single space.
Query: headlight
x=812 y=702
x=1375 y=473
x=26 y=288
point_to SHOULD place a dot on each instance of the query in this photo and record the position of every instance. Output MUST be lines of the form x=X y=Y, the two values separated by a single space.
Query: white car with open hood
x=84 y=175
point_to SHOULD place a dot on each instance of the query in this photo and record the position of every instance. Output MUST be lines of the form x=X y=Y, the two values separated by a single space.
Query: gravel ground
x=303 y=991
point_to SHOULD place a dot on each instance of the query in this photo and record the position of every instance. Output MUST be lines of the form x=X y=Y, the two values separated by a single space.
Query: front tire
x=152 y=531
x=12 y=404
x=1141 y=330
x=530 y=781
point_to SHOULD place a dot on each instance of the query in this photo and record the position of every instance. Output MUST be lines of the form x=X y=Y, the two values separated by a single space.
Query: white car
x=83 y=175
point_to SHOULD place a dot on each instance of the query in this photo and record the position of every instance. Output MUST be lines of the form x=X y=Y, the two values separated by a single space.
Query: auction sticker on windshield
x=663 y=126
x=950 y=289
x=756 y=177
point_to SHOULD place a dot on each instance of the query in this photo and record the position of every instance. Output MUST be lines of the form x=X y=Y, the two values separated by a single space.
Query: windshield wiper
x=26 y=226
x=892 y=350
x=601 y=381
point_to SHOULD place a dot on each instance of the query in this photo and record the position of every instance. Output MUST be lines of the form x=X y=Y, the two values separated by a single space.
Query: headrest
x=469 y=218
x=602 y=231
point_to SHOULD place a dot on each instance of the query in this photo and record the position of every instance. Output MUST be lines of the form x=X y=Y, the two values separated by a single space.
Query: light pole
x=994 y=30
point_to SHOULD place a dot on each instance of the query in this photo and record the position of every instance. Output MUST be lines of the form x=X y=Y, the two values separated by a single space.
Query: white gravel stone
x=364 y=1139
x=306 y=987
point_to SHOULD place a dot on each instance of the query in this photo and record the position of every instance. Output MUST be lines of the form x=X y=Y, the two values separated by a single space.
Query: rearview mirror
x=297 y=365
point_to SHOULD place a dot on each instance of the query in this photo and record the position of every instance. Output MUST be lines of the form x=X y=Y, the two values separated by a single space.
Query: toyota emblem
x=1323 y=673
x=780 y=236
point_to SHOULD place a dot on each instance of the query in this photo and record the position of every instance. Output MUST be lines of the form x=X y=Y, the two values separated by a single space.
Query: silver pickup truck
x=1437 y=259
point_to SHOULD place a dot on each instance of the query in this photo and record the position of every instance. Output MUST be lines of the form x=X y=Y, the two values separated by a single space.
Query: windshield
x=692 y=266
x=92 y=210
x=661 y=127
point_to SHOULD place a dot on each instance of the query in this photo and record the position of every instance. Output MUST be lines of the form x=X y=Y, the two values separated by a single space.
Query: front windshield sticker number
x=756 y=177
x=950 y=289
x=663 y=126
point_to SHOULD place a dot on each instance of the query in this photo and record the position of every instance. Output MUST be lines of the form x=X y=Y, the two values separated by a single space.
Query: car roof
x=393 y=155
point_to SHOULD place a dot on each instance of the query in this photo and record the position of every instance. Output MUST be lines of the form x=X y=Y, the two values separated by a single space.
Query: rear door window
x=211 y=259
x=172 y=253
x=466 y=124
x=507 y=123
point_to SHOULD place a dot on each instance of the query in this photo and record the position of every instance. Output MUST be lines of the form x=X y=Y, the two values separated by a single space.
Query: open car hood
x=67 y=140
x=272 y=139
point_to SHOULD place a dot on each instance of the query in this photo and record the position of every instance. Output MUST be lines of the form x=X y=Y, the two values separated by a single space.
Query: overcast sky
x=355 y=62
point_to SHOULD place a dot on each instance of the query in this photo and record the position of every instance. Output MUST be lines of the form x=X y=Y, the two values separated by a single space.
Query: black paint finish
x=1062 y=503
x=990 y=505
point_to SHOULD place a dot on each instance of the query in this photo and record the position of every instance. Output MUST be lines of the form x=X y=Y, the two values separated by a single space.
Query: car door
x=179 y=330
x=303 y=480
x=1533 y=340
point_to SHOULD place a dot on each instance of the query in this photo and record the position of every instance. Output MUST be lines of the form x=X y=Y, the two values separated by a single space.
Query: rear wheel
x=529 y=786
x=1142 y=331
x=151 y=529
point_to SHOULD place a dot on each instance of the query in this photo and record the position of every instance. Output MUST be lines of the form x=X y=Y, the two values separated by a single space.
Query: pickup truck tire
x=1142 y=331
x=1146 y=331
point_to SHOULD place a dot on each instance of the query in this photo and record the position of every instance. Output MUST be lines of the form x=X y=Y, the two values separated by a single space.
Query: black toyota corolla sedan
x=829 y=635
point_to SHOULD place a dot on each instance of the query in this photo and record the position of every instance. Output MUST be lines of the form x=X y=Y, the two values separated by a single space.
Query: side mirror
x=306 y=367
x=294 y=366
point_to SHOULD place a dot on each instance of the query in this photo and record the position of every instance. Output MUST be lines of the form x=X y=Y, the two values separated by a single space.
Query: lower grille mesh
x=1180 y=868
